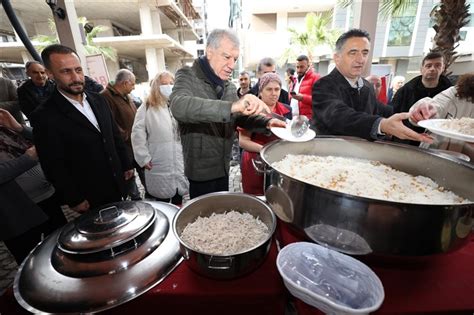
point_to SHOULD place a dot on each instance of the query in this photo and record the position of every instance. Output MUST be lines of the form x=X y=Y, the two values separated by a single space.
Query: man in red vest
x=301 y=94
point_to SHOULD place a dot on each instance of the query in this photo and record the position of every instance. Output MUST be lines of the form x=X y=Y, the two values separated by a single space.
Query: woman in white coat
x=157 y=146
x=454 y=102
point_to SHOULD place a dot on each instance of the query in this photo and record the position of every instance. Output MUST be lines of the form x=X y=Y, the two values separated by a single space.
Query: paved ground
x=8 y=266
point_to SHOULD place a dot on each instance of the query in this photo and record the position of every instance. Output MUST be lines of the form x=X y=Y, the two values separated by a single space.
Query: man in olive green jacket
x=206 y=106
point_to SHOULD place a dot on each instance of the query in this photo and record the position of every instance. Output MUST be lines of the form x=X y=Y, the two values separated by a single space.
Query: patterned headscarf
x=267 y=78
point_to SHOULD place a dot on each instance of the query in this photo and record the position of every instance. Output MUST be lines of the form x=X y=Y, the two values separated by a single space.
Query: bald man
x=123 y=110
x=36 y=90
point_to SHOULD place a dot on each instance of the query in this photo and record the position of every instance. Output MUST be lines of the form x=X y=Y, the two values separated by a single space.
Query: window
x=471 y=12
x=401 y=26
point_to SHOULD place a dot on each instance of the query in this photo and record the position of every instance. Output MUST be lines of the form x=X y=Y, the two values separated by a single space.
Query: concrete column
x=25 y=56
x=282 y=22
x=69 y=32
x=146 y=23
x=365 y=17
x=161 y=65
x=174 y=64
x=155 y=61
x=150 y=23
x=156 y=22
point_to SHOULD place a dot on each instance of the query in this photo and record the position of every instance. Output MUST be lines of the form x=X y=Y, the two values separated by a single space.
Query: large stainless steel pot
x=357 y=225
x=104 y=258
x=231 y=266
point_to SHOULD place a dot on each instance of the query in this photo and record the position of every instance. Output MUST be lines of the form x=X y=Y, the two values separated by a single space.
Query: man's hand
x=31 y=152
x=276 y=123
x=128 y=174
x=148 y=166
x=298 y=97
x=250 y=105
x=423 y=111
x=7 y=120
x=82 y=207
x=394 y=126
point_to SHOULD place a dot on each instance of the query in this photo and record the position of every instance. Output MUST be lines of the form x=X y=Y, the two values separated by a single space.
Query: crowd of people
x=86 y=142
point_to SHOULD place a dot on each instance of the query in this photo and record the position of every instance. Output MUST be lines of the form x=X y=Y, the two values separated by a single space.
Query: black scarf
x=217 y=82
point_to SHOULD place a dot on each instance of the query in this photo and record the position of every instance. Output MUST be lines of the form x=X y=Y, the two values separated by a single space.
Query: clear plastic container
x=328 y=280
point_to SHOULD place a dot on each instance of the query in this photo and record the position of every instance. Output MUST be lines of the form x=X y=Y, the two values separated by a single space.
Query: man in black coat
x=345 y=104
x=36 y=90
x=78 y=143
x=428 y=84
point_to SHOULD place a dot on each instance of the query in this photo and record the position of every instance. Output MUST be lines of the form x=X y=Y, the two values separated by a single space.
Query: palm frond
x=344 y=3
x=390 y=8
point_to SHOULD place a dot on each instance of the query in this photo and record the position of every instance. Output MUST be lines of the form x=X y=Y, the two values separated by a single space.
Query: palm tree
x=91 y=49
x=317 y=35
x=449 y=15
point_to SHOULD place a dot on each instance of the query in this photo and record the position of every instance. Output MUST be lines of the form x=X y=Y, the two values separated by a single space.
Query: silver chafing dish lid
x=140 y=251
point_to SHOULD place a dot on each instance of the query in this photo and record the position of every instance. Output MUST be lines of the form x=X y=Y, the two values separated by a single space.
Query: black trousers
x=20 y=246
x=197 y=189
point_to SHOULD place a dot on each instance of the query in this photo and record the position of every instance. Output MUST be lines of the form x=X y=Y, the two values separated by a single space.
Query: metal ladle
x=298 y=125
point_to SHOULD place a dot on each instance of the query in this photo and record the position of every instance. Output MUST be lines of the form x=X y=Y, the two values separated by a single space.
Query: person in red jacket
x=301 y=94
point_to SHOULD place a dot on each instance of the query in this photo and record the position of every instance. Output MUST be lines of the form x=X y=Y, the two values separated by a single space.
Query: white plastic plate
x=434 y=125
x=285 y=134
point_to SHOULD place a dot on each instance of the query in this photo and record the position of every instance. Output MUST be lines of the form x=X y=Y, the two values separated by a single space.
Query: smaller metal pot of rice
x=224 y=235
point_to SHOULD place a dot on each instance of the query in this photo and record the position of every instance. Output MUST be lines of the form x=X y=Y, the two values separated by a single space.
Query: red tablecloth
x=436 y=284
x=184 y=292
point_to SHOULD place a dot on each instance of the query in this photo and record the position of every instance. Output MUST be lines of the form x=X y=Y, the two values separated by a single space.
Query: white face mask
x=166 y=90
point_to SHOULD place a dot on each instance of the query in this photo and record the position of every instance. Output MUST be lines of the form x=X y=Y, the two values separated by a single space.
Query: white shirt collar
x=73 y=101
x=356 y=84
x=84 y=108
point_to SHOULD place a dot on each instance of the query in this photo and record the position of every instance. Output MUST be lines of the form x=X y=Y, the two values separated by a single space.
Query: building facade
x=149 y=35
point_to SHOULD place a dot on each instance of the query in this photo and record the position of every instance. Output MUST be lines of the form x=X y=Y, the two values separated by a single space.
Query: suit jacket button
x=104 y=140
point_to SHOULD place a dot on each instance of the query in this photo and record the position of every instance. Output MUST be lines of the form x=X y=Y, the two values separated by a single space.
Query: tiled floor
x=8 y=266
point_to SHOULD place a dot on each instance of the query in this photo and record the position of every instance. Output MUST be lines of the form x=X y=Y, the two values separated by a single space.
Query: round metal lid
x=106 y=228
x=40 y=287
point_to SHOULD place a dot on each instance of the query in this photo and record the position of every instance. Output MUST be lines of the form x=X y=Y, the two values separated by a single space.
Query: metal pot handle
x=109 y=213
x=259 y=166
x=220 y=263
x=131 y=246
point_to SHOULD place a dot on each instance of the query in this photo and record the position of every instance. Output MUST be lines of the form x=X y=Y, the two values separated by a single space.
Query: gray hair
x=124 y=75
x=214 y=39
x=32 y=62
x=267 y=62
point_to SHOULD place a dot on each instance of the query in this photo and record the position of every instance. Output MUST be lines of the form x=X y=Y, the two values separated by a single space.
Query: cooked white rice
x=464 y=125
x=225 y=234
x=365 y=178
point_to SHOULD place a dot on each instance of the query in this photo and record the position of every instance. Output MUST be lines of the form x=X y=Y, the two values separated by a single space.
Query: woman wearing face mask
x=157 y=146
